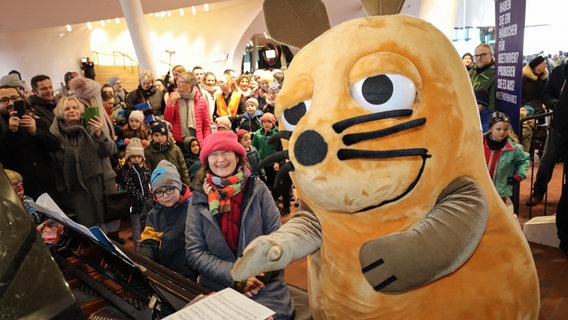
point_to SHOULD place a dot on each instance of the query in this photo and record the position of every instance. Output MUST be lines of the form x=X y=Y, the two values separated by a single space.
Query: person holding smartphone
x=24 y=143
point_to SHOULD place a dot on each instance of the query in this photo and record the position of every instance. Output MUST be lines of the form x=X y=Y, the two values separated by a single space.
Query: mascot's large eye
x=292 y=116
x=384 y=92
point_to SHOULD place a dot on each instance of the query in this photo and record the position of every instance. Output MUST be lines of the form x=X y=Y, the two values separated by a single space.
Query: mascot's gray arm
x=433 y=248
x=297 y=238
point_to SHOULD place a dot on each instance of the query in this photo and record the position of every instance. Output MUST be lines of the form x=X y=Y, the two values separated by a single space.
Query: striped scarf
x=220 y=190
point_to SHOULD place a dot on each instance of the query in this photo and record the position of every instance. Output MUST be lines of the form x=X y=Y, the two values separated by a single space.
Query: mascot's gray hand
x=263 y=254
x=436 y=246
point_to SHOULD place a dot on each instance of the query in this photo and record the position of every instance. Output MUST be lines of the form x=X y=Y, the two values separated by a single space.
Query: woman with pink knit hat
x=229 y=209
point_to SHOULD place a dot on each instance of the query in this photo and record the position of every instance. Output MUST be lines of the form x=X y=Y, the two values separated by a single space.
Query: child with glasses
x=163 y=239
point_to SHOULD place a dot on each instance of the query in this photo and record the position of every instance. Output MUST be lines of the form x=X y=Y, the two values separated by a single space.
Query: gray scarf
x=186 y=113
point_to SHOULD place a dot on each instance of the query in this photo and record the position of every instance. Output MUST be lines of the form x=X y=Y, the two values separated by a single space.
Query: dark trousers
x=547 y=163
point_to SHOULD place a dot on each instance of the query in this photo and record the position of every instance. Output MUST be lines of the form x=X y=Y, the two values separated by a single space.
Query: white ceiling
x=22 y=15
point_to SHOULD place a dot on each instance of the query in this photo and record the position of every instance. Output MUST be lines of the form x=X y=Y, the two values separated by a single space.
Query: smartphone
x=20 y=108
x=89 y=114
x=84 y=60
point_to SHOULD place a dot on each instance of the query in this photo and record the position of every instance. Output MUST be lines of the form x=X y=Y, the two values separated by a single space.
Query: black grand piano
x=79 y=278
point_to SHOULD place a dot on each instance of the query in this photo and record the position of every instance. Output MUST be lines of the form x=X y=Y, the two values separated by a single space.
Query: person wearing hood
x=146 y=92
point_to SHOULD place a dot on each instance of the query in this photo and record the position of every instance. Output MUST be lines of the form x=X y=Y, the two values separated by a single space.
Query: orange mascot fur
x=401 y=219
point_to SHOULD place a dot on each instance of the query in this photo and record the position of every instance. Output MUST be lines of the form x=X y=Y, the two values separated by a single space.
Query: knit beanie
x=241 y=133
x=269 y=117
x=134 y=148
x=274 y=87
x=112 y=80
x=224 y=122
x=165 y=175
x=221 y=140
x=85 y=88
x=536 y=61
x=9 y=81
x=137 y=114
x=252 y=101
x=159 y=126
x=498 y=116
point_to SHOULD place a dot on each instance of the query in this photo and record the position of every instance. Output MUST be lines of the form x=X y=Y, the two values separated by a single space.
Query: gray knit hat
x=9 y=81
x=165 y=175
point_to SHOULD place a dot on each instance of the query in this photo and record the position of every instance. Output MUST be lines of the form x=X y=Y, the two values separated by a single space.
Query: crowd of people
x=542 y=94
x=185 y=148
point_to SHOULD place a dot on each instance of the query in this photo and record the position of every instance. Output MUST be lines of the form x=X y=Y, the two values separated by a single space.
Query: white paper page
x=226 y=304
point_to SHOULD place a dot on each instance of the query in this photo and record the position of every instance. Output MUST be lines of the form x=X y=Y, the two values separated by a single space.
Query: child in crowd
x=506 y=161
x=134 y=177
x=250 y=119
x=163 y=147
x=253 y=158
x=273 y=91
x=135 y=128
x=224 y=124
x=17 y=182
x=191 y=154
x=163 y=239
x=260 y=142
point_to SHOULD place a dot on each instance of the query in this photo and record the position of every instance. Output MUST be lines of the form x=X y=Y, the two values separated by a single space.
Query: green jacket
x=486 y=79
x=260 y=142
x=173 y=155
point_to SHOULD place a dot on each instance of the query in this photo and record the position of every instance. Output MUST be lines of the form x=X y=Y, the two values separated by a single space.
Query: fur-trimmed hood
x=529 y=73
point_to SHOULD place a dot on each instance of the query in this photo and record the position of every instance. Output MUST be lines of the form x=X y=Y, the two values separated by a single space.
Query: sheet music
x=226 y=304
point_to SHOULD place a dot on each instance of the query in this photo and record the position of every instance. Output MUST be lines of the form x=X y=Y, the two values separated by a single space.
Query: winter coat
x=251 y=123
x=136 y=180
x=84 y=171
x=209 y=254
x=173 y=155
x=153 y=96
x=513 y=161
x=260 y=142
x=533 y=88
x=163 y=239
x=31 y=157
x=201 y=114
x=43 y=109
x=485 y=78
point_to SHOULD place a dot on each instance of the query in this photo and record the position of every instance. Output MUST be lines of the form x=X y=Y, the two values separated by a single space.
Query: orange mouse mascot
x=401 y=219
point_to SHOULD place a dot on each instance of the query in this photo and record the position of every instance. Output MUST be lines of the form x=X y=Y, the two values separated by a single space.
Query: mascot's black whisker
x=346 y=154
x=282 y=134
x=275 y=157
x=350 y=139
x=340 y=126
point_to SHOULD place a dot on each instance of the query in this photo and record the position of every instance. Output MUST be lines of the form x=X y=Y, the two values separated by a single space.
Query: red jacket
x=202 y=117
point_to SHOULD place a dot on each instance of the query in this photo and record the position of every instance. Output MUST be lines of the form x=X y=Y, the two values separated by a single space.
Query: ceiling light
x=181 y=12
x=169 y=13
x=193 y=10
x=68 y=27
x=89 y=26
x=205 y=7
x=117 y=20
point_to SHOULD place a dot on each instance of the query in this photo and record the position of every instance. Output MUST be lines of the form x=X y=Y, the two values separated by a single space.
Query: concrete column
x=134 y=16
x=440 y=13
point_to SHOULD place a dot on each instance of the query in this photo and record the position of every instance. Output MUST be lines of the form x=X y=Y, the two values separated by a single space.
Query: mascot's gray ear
x=295 y=22
x=298 y=22
x=381 y=8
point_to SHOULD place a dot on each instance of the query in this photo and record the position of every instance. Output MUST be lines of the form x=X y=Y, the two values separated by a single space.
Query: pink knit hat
x=221 y=140
x=269 y=117
x=85 y=88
